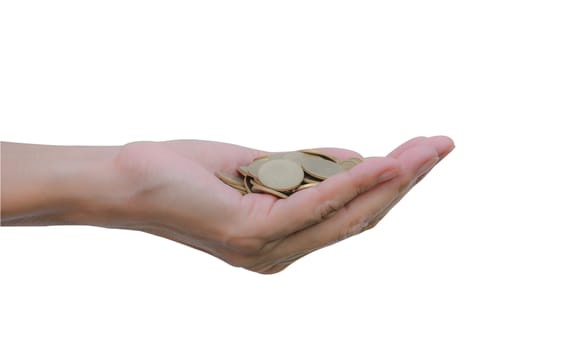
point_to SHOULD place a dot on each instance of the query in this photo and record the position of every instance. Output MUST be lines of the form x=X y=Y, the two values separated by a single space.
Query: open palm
x=181 y=199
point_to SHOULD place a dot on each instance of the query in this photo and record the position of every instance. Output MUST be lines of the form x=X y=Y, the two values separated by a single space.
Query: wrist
x=93 y=189
x=56 y=185
x=111 y=189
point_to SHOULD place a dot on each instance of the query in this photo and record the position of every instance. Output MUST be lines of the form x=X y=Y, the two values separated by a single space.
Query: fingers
x=366 y=210
x=308 y=207
x=348 y=221
x=442 y=144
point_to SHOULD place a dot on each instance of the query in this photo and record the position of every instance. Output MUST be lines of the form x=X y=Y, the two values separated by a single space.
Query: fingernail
x=424 y=168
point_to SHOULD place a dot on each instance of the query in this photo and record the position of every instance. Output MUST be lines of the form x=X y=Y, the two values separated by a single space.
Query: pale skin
x=169 y=189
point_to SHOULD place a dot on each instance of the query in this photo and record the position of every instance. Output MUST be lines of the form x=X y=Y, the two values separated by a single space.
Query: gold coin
x=276 y=155
x=263 y=189
x=295 y=156
x=254 y=182
x=229 y=179
x=320 y=167
x=310 y=180
x=305 y=186
x=240 y=188
x=356 y=160
x=320 y=154
x=348 y=164
x=280 y=174
x=247 y=184
x=266 y=156
x=271 y=156
x=255 y=165
x=283 y=173
x=243 y=170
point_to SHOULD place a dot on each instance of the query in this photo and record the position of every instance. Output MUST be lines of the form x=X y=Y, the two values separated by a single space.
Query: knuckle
x=325 y=209
x=355 y=227
x=240 y=239
x=241 y=249
x=248 y=245
x=405 y=184
x=360 y=187
x=238 y=260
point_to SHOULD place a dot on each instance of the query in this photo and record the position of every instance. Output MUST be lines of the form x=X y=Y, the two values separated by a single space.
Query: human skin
x=169 y=189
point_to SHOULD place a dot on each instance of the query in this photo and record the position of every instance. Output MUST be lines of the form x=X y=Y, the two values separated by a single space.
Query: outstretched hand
x=179 y=197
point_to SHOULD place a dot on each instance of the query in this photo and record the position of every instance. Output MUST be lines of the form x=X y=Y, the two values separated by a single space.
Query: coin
x=295 y=156
x=265 y=156
x=259 y=188
x=320 y=167
x=310 y=180
x=315 y=152
x=355 y=159
x=280 y=174
x=278 y=155
x=349 y=163
x=283 y=173
x=254 y=166
x=243 y=170
x=305 y=186
x=247 y=184
x=229 y=179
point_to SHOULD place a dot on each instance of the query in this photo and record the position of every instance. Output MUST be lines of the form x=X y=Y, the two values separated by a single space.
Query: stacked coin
x=282 y=174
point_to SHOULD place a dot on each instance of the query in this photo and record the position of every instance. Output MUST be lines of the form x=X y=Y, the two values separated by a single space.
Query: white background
x=479 y=255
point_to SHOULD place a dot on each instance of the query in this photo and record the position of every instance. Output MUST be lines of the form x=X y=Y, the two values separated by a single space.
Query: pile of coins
x=282 y=174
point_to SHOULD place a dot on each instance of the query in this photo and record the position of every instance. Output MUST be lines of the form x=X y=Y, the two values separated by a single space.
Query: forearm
x=55 y=185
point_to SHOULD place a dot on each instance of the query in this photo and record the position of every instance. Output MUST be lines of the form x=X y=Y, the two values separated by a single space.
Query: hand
x=179 y=198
